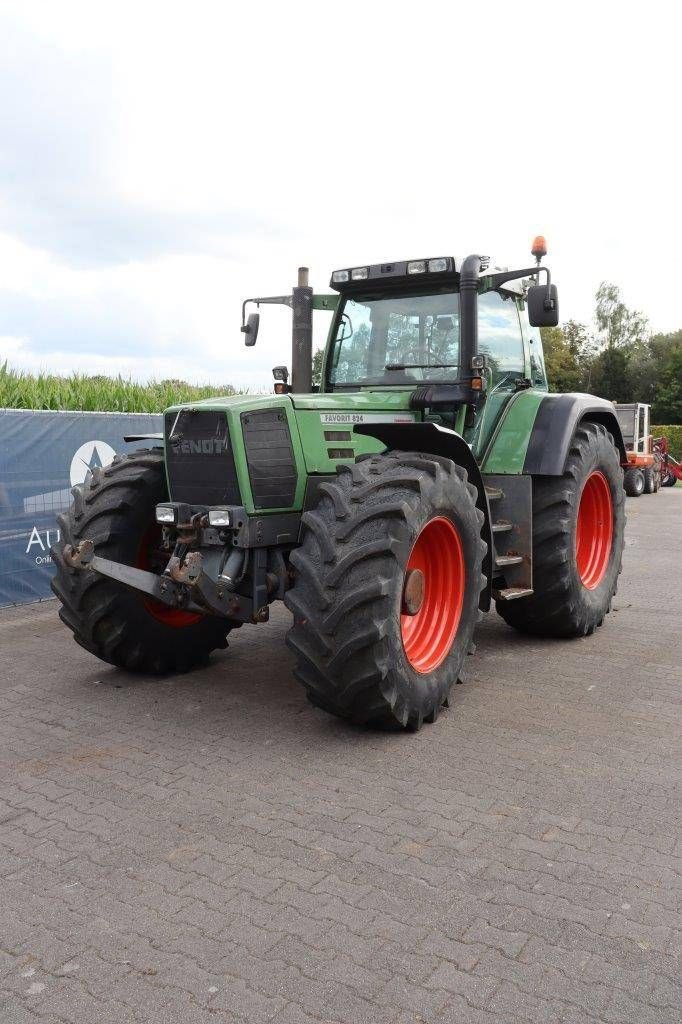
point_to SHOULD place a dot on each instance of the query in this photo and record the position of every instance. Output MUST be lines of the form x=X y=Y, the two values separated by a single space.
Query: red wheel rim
x=594 y=530
x=428 y=635
x=147 y=555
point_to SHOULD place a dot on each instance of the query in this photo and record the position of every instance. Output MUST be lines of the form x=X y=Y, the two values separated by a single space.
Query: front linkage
x=217 y=571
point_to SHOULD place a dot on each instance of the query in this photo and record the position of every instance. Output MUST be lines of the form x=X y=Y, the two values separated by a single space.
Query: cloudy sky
x=160 y=162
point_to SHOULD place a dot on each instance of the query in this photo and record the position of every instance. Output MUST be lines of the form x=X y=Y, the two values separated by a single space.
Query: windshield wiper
x=421 y=366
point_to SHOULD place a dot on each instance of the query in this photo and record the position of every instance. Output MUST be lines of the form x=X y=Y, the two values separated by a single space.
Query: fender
x=555 y=424
x=432 y=439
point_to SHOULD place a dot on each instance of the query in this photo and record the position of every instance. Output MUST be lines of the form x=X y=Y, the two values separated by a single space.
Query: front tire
x=386 y=596
x=578 y=536
x=650 y=480
x=115 y=508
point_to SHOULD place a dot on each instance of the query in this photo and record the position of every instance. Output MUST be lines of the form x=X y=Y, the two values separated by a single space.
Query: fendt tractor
x=428 y=474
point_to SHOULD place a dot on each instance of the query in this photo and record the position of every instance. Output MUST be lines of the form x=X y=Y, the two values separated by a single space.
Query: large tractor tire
x=650 y=480
x=578 y=533
x=115 y=508
x=633 y=482
x=386 y=594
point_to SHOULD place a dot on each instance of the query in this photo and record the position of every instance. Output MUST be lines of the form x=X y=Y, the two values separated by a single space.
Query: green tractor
x=428 y=474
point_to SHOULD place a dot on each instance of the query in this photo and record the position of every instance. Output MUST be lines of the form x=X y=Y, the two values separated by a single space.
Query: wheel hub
x=413 y=591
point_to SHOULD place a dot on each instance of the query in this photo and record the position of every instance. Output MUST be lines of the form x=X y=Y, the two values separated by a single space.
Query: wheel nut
x=413 y=591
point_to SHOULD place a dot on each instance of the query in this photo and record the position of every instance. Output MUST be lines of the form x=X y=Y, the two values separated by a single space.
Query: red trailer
x=671 y=469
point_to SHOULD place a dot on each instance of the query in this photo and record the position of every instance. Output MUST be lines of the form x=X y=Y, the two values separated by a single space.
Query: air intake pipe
x=302 y=335
x=468 y=314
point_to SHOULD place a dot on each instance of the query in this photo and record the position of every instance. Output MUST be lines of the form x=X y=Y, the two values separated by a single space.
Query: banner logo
x=91 y=455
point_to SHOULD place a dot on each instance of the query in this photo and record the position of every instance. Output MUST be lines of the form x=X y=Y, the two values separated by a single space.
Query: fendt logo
x=201 y=446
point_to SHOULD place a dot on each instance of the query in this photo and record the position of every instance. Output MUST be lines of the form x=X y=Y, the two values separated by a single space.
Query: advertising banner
x=42 y=456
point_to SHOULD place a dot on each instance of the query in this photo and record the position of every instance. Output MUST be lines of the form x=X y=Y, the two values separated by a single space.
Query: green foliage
x=318 y=357
x=568 y=355
x=666 y=349
x=19 y=390
x=618 y=325
x=620 y=360
x=611 y=376
x=673 y=431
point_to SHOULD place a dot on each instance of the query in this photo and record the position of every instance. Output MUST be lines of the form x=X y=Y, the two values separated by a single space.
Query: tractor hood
x=356 y=401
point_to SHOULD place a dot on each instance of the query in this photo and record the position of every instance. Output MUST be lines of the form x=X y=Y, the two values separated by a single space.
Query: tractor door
x=501 y=341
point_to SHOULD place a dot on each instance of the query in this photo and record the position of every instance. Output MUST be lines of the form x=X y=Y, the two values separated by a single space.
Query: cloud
x=158 y=165
x=58 y=188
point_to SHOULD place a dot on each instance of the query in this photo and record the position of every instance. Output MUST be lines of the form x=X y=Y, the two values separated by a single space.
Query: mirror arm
x=280 y=300
x=513 y=275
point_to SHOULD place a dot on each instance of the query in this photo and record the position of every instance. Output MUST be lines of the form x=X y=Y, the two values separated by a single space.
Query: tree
x=666 y=351
x=569 y=352
x=610 y=375
x=618 y=325
x=622 y=371
x=318 y=356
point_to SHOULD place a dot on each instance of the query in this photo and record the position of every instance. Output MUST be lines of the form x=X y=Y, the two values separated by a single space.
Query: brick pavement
x=209 y=848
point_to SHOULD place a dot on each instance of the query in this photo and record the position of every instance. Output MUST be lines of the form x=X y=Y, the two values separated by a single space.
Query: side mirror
x=250 y=329
x=543 y=305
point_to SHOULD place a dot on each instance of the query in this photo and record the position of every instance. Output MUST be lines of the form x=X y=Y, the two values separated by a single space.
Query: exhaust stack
x=302 y=335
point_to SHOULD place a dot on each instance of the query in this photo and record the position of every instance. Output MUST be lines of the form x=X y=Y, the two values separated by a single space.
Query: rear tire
x=115 y=508
x=575 y=571
x=649 y=480
x=633 y=482
x=360 y=654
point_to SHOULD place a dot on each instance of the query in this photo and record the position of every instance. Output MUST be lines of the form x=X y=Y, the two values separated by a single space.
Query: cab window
x=396 y=340
x=499 y=336
x=533 y=341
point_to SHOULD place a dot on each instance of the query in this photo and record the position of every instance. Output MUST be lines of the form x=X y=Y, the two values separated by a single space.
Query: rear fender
x=557 y=420
x=432 y=439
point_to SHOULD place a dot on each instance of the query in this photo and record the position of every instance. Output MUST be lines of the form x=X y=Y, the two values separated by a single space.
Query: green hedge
x=674 y=434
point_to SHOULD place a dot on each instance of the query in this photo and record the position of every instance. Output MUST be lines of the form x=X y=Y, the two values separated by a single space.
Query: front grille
x=200 y=463
x=270 y=457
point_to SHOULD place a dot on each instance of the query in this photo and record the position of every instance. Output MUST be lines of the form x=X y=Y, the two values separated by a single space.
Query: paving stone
x=209 y=849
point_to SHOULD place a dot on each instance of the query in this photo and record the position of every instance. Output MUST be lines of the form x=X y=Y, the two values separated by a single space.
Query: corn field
x=19 y=390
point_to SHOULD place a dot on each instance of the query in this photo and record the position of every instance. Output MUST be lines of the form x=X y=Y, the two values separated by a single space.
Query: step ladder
x=510 y=502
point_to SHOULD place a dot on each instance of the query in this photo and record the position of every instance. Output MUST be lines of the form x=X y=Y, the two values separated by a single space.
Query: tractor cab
x=401 y=327
x=457 y=338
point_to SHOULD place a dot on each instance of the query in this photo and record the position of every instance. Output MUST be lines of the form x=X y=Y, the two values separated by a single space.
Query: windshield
x=396 y=340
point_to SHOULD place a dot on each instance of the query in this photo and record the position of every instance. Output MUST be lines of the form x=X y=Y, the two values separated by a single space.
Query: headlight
x=219 y=516
x=166 y=514
x=437 y=266
x=339 y=276
x=360 y=274
x=416 y=267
